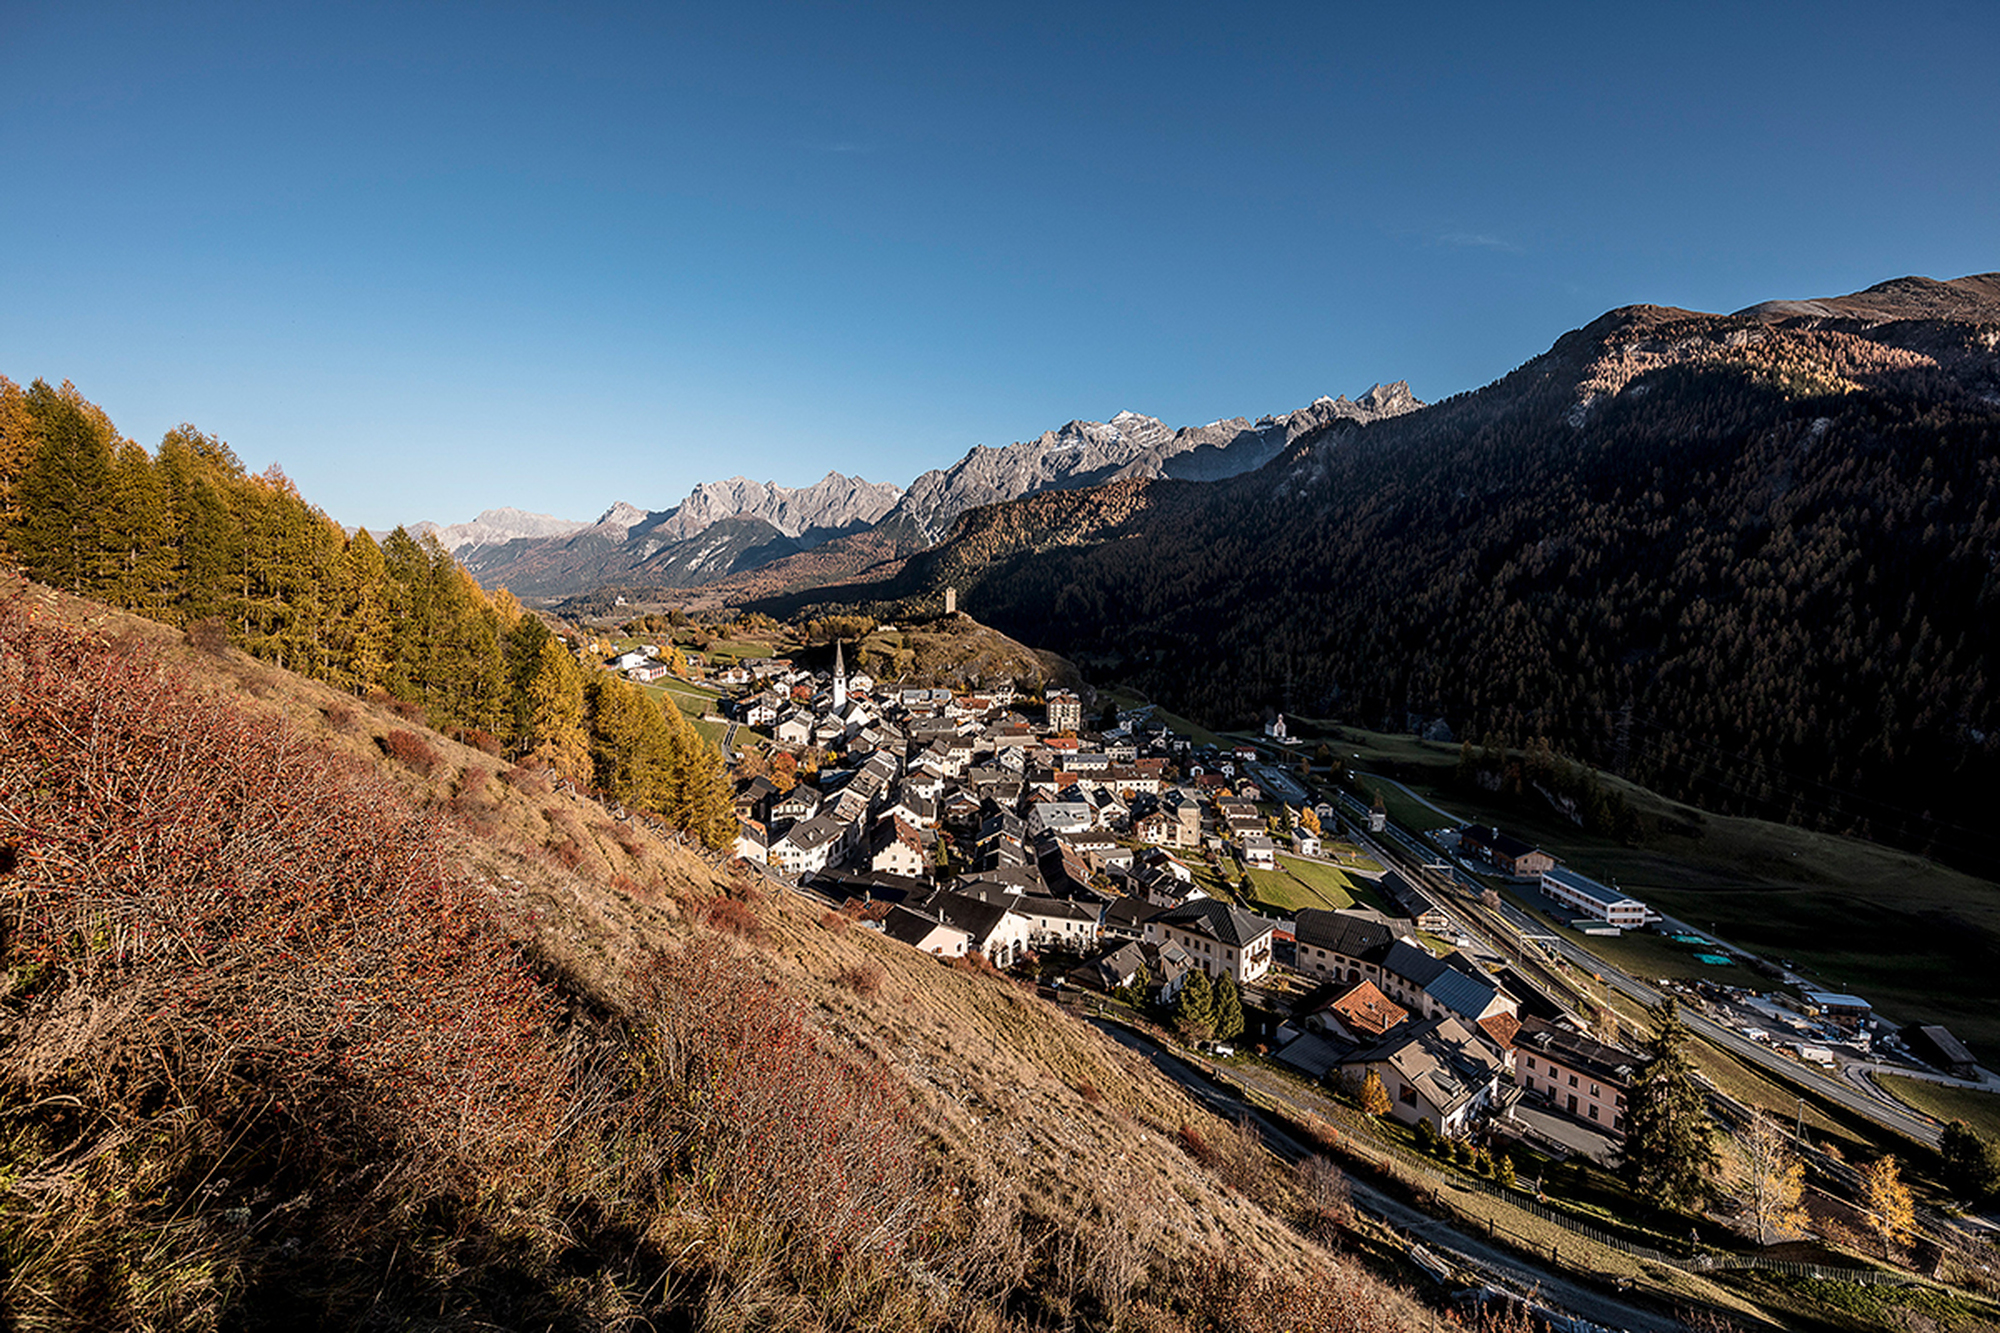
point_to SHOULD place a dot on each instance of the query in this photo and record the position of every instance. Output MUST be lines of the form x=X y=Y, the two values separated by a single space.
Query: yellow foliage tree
x=1773 y=1179
x=1891 y=1209
x=557 y=738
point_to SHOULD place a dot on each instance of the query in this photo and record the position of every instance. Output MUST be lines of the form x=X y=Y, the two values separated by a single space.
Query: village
x=993 y=827
x=1437 y=988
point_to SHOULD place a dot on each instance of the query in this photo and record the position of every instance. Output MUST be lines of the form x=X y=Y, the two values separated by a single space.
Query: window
x=1408 y=1095
x=1572 y=1080
x=1594 y=1091
x=1593 y=1110
x=1531 y=1062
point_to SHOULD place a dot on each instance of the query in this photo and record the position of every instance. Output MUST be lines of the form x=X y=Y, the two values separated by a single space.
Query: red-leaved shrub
x=782 y=1129
x=258 y=904
x=412 y=750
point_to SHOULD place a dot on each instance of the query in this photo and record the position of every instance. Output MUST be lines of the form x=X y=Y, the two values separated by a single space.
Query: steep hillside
x=314 y=1017
x=1748 y=560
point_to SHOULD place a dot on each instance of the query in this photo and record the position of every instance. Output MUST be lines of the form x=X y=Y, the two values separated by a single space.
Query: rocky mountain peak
x=620 y=516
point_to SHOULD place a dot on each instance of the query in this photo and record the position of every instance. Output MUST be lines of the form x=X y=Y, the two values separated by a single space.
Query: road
x=1409 y=855
x=1470 y=1253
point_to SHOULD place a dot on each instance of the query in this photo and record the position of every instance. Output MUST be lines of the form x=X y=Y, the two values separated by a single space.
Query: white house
x=1219 y=937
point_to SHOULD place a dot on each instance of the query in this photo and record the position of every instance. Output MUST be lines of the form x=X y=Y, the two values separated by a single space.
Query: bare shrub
x=1326 y=1202
x=483 y=741
x=339 y=715
x=412 y=751
x=1235 y=1154
x=731 y=916
x=833 y=920
x=532 y=781
x=863 y=978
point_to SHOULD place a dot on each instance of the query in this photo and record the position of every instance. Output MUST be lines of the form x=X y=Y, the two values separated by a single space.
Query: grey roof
x=1067 y=908
x=910 y=927
x=1346 y=933
x=1573 y=1050
x=1462 y=994
x=1442 y=1057
x=1415 y=965
x=1405 y=894
x=1313 y=1055
x=1602 y=894
x=1218 y=920
x=977 y=919
x=815 y=832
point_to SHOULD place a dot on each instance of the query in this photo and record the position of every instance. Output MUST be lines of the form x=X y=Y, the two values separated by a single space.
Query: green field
x=1296 y=884
x=1981 y=1110
x=739 y=648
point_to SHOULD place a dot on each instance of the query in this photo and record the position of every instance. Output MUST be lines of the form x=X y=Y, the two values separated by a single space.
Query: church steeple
x=839 y=677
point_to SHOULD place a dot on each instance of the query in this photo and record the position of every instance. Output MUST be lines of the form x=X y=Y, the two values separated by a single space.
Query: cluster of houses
x=1449 y=1042
x=969 y=828
x=959 y=825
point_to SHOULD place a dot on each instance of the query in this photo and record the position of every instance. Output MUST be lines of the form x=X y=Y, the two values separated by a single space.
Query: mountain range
x=729 y=527
x=1750 y=560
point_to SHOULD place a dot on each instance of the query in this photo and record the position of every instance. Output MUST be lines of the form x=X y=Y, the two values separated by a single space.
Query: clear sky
x=436 y=258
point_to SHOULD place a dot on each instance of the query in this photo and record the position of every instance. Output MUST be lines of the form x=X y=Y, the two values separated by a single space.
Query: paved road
x=1872 y=1104
x=1470 y=1253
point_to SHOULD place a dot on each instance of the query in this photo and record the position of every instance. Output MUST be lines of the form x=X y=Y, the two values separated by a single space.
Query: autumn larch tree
x=556 y=737
x=1892 y=1211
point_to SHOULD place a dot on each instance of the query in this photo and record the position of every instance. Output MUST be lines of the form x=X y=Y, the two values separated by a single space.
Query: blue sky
x=436 y=258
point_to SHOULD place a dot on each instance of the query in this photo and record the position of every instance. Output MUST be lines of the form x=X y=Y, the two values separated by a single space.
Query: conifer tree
x=556 y=737
x=202 y=476
x=1228 y=1008
x=142 y=536
x=1971 y=1163
x=358 y=629
x=1669 y=1155
x=20 y=437
x=632 y=748
x=1194 y=1007
x=701 y=801
x=522 y=652
x=61 y=494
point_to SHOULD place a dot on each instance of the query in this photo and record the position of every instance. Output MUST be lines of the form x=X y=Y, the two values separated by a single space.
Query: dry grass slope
x=718 y=1106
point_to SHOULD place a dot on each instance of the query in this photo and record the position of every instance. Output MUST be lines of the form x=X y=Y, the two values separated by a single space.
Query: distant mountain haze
x=727 y=528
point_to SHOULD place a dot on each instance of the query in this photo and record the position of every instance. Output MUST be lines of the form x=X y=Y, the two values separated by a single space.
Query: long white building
x=1589 y=897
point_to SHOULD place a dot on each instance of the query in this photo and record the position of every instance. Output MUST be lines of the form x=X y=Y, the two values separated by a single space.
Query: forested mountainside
x=186 y=537
x=1747 y=560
